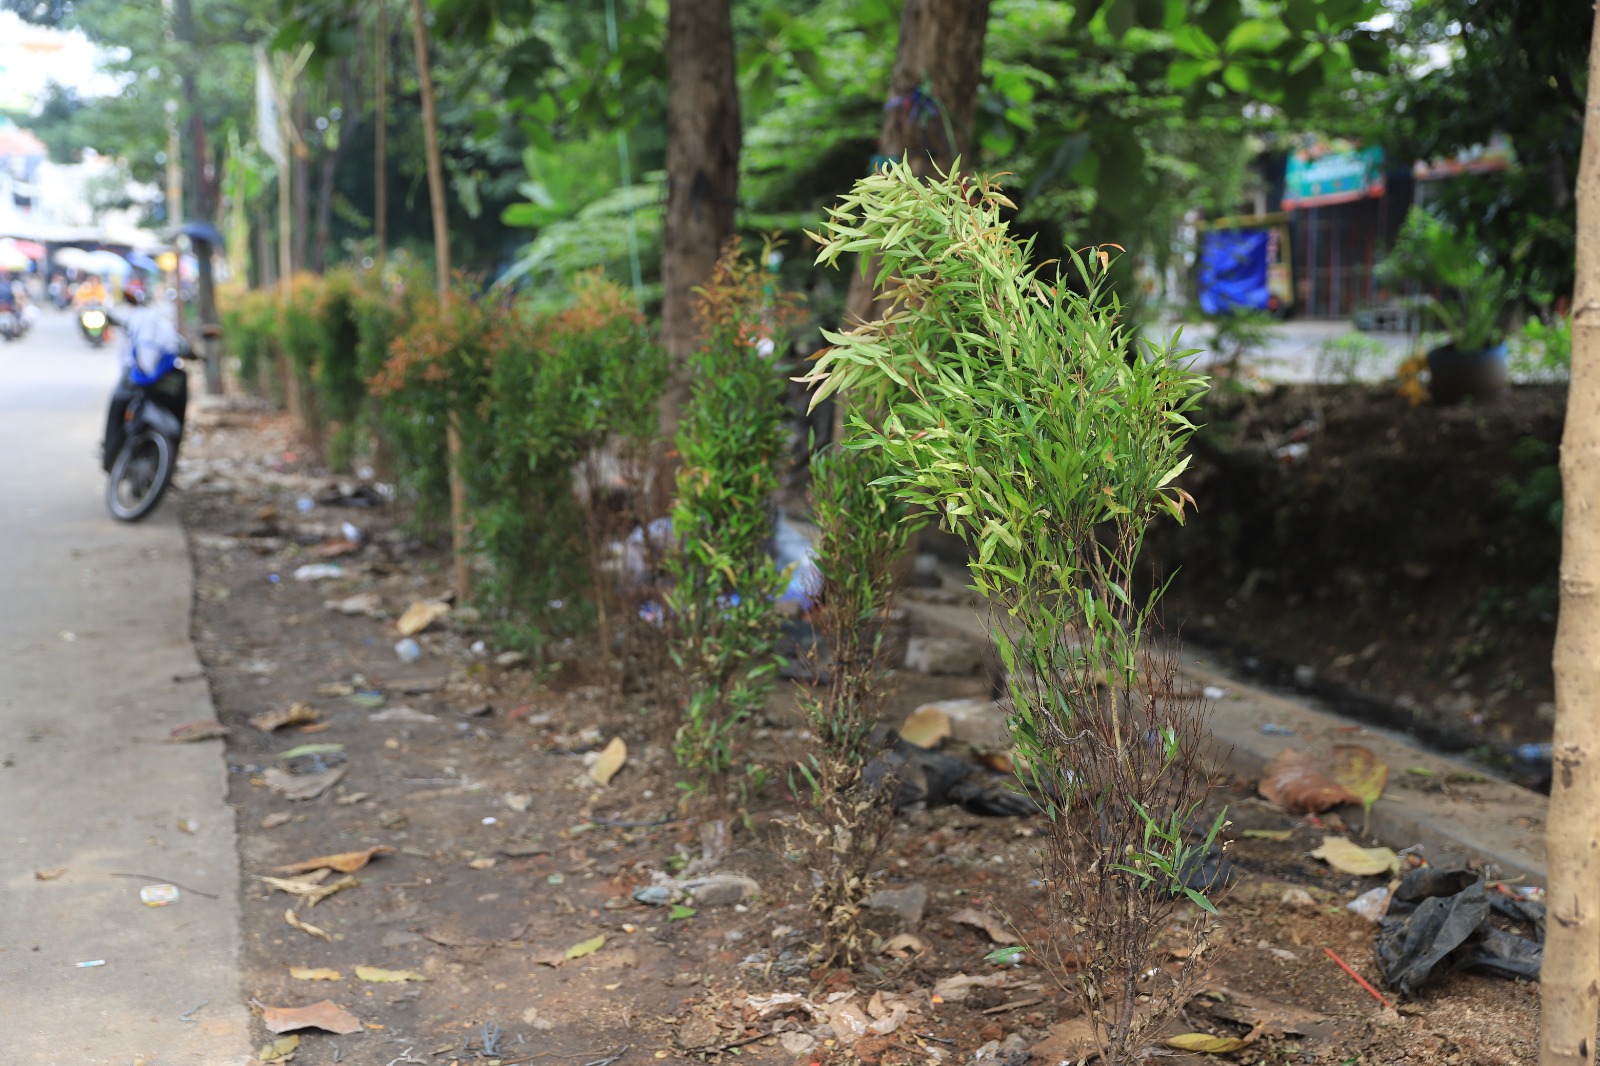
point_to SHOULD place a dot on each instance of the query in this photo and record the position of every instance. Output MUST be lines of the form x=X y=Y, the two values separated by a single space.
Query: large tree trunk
x=1570 y=979
x=703 y=141
x=441 y=256
x=933 y=91
x=328 y=165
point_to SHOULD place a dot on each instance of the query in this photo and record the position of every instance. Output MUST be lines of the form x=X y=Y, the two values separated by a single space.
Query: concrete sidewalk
x=1484 y=821
x=96 y=667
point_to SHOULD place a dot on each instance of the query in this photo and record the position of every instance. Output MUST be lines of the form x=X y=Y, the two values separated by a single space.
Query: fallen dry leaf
x=611 y=759
x=294 y=920
x=993 y=927
x=49 y=875
x=279 y=1050
x=550 y=957
x=312 y=893
x=926 y=727
x=1279 y=835
x=319 y=973
x=904 y=944
x=326 y=1015
x=352 y=799
x=189 y=732
x=1341 y=854
x=275 y=819
x=1295 y=782
x=1358 y=769
x=295 y=714
x=302 y=786
x=954 y=988
x=420 y=616
x=1213 y=1045
x=346 y=862
x=378 y=975
x=586 y=947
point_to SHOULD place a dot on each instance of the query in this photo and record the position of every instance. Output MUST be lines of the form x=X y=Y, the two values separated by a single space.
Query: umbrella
x=30 y=249
x=73 y=259
x=140 y=261
x=202 y=231
x=108 y=263
x=11 y=257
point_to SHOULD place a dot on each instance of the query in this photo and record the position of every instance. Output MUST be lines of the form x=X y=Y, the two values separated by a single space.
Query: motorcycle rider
x=91 y=292
x=151 y=347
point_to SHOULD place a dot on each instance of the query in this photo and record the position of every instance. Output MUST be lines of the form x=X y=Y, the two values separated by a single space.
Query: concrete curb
x=1485 y=822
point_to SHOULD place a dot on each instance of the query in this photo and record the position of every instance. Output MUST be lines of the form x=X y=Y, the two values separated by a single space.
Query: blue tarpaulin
x=1233 y=271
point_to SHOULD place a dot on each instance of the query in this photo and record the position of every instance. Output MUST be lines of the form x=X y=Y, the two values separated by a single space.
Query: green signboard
x=1322 y=174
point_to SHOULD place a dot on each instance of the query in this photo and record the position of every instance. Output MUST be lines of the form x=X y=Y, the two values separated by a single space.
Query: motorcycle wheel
x=140 y=476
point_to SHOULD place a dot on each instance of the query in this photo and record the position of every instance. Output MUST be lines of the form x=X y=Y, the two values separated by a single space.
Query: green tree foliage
x=1469 y=71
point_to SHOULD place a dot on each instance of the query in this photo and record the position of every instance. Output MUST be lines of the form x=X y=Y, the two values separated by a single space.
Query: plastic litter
x=1273 y=729
x=159 y=895
x=318 y=572
x=1371 y=905
x=1439 y=920
x=408 y=650
x=89 y=964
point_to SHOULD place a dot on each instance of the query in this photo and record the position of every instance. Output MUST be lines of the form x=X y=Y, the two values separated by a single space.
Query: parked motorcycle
x=95 y=326
x=10 y=326
x=153 y=420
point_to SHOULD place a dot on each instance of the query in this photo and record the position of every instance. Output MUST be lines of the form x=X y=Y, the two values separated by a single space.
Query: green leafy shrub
x=863 y=531
x=1016 y=411
x=731 y=443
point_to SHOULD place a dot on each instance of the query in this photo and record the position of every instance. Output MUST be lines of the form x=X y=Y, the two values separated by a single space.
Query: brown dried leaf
x=1351 y=858
x=993 y=927
x=294 y=920
x=903 y=945
x=49 y=875
x=295 y=714
x=189 y=732
x=926 y=727
x=280 y=1050
x=320 y=973
x=378 y=975
x=611 y=760
x=1295 y=782
x=420 y=616
x=1358 y=769
x=313 y=893
x=302 y=786
x=346 y=862
x=326 y=1015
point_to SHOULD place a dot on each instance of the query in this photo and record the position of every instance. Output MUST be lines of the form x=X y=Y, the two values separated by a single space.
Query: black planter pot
x=1455 y=375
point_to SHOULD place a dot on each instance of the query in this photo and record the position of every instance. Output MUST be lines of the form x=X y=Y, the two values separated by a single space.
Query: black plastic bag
x=1449 y=929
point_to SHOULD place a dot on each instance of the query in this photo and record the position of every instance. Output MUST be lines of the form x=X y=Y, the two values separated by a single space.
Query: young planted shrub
x=341 y=392
x=1017 y=411
x=863 y=531
x=730 y=442
x=603 y=376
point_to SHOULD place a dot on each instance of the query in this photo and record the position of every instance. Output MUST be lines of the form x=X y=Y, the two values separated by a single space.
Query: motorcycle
x=95 y=326
x=144 y=465
x=10 y=326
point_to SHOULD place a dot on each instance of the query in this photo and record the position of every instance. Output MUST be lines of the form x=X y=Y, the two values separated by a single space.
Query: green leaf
x=586 y=947
x=1006 y=955
x=680 y=912
x=310 y=749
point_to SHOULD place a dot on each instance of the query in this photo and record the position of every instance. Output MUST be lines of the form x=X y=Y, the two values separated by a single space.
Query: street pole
x=199 y=201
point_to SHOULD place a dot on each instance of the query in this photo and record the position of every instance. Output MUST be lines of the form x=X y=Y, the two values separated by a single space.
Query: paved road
x=95 y=662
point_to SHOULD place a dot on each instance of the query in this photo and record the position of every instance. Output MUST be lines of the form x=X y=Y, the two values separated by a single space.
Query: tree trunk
x=703 y=142
x=199 y=205
x=441 y=256
x=380 y=166
x=1569 y=983
x=328 y=165
x=300 y=167
x=933 y=91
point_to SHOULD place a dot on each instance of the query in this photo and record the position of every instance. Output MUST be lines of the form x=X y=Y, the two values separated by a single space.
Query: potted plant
x=1468 y=295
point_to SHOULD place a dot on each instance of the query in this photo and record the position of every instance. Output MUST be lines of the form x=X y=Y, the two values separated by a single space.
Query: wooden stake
x=441 y=256
x=1569 y=982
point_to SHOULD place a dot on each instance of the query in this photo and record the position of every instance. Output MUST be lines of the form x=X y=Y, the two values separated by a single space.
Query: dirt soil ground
x=503 y=887
x=1397 y=562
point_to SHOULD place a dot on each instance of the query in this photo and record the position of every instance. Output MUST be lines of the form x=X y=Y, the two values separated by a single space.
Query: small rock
x=480 y=710
x=509 y=659
x=1297 y=898
x=907 y=904
x=723 y=890
x=698 y=1032
x=925 y=571
x=942 y=656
